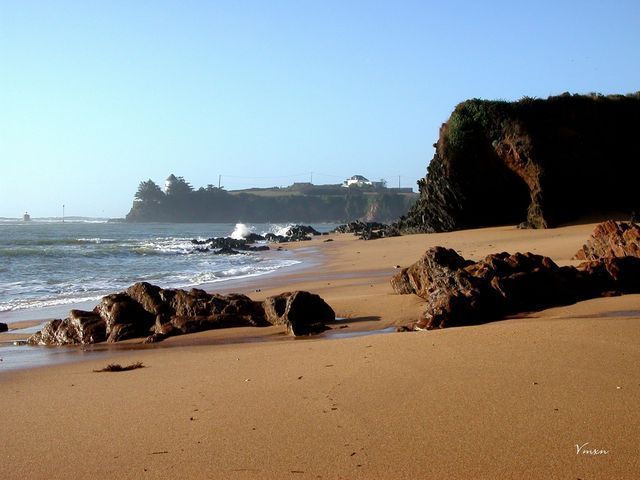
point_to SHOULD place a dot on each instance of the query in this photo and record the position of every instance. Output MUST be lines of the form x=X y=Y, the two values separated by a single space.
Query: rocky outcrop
x=611 y=239
x=235 y=246
x=462 y=292
x=303 y=313
x=78 y=328
x=295 y=233
x=368 y=230
x=150 y=312
x=540 y=162
x=231 y=246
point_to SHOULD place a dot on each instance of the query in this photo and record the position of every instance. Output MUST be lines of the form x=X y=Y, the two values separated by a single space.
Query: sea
x=48 y=263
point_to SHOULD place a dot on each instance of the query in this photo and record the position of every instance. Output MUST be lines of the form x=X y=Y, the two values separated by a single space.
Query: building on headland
x=26 y=217
x=360 y=181
x=357 y=181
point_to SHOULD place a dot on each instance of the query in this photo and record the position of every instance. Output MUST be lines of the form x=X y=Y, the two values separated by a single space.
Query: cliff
x=183 y=204
x=542 y=162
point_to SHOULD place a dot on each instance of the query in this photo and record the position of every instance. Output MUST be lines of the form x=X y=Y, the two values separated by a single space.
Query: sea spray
x=280 y=230
x=241 y=231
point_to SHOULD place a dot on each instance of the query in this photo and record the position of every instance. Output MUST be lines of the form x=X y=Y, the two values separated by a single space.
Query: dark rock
x=368 y=230
x=153 y=313
x=295 y=233
x=226 y=245
x=227 y=251
x=3 y=327
x=254 y=237
x=124 y=317
x=611 y=239
x=302 y=312
x=542 y=161
x=79 y=327
x=617 y=276
x=462 y=292
x=434 y=269
x=273 y=238
x=301 y=231
x=155 y=338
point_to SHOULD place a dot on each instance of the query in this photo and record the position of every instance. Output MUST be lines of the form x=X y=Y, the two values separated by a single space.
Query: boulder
x=148 y=311
x=295 y=233
x=302 y=312
x=611 y=239
x=434 y=270
x=3 y=327
x=368 y=230
x=609 y=276
x=124 y=317
x=226 y=251
x=79 y=327
x=228 y=245
x=462 y=292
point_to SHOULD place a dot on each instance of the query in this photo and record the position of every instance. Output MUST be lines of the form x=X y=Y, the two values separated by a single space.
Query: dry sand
x=510 y=399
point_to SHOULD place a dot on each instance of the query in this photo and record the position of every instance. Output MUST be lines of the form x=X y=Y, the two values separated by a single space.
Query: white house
x=357 y=180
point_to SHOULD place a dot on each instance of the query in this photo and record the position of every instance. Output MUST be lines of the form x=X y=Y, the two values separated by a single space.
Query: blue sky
x=98 y=96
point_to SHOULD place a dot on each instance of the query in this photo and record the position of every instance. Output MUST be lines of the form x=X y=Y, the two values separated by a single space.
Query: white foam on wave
x=24 y=304
x=241 y=231
x=97 y=240
x=280 y=229
x=165 y=246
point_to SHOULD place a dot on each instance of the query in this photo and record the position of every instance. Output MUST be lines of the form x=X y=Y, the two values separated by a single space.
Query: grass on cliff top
x=490 y=118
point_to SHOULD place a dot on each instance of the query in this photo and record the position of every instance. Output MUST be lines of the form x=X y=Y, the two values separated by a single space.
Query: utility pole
x=398 y=181
x=311 y=180
x=63 y=213
x=219 y=180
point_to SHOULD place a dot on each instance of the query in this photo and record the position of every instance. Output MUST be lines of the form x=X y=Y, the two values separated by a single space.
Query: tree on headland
x=150 y=192
x=178 y=186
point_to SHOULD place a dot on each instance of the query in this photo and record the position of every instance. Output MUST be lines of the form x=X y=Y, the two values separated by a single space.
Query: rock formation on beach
x=462 y=292
x=150 y=312
x=368 y=230
x=540 y=162
x=611 y=239
x=302 y=312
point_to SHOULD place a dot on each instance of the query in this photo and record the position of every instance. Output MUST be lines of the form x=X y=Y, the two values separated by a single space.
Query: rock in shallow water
x=79 y=327
x=145 y=310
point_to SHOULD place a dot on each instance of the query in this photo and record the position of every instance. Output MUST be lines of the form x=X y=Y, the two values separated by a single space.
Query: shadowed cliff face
x=544 y=162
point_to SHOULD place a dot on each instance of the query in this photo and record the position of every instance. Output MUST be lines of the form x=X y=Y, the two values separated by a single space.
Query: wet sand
x=509 y=399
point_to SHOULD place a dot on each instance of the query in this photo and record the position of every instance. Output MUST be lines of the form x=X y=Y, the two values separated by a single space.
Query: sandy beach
x=552 y=394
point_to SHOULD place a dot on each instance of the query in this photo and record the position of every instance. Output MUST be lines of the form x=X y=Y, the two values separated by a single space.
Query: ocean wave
x=53 y=266
x=241 y=231
x=279 y=229
x=56 y=242
x=37 y=303
x=98 y=241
